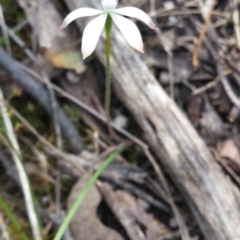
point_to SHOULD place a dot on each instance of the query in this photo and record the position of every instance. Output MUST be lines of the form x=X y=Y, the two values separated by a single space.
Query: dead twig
x=16 y=154
x=207 y=9
x=3 y=229
x=182 y=226
x=236 y=20
x=4 y=31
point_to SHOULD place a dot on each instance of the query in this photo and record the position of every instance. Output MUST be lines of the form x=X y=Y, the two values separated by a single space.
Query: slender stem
x=108 y=28
x=108 y=92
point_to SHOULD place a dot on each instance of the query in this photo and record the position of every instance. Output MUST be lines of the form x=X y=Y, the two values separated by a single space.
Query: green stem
x=108 y=28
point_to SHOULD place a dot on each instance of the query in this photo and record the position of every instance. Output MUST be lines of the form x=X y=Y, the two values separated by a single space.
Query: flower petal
x=129 y=30
x=109 y=4
x=136 y=13
x=91 y=34
x=80 y=12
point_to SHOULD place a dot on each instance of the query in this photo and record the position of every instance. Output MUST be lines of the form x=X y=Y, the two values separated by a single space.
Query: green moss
x=33 y=112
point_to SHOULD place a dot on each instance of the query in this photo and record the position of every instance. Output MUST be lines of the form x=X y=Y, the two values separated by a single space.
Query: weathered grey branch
x=210 y=195
x=37 y=91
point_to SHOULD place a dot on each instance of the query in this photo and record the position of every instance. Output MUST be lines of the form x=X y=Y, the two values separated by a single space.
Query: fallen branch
x=37 y=91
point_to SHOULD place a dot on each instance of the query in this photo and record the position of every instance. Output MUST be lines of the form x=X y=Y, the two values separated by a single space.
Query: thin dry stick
x=152 y=5
x=168 y=45
x=21 y=44
x=183 y=228
x=210 y=84
x=35 y=29
x=31 y=128
x=206 y=86
x=236 y=20
x=16 y=154
x=54 y=108
x=171 y=74
x=58 y=134
x=3 y=229
x=45 y=142
x=209 y=6
x=4 y=31
x=58 y=137
x=168 y=13
x=232 y=96
x=20 y=25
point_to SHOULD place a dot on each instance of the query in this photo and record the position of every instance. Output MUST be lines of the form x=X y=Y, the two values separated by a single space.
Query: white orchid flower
x=94 y=29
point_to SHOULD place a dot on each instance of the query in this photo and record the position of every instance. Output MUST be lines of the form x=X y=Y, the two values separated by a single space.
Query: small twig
x=4 y=31
x=3 y=229
x=183 y=228
x=236 y=20
x=174 y=12
x=20 y=25
x=59 y=212
x=16 y=154
x=232 y=96
x=47 y=144
x=168 y=45
x=21 y=44
x=152 y=5
x=207 y=9
x=58 y=136
x=55 y=111
x=171 y=74
x=206 y=86
x=36 y=26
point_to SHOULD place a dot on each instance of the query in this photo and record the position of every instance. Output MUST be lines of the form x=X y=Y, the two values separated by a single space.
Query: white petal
x=91 y=34
x=129 y=30
x=80 y=12
x=136 y=13
x=109 y=4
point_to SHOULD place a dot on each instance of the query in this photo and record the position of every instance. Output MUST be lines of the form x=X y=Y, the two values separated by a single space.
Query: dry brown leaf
x=68 y=60
x=85 y=224
x=133 y=214
x=229 y=150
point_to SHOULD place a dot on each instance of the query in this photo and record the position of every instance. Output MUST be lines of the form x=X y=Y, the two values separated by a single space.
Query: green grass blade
x=84 y=193
x=12 y=218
